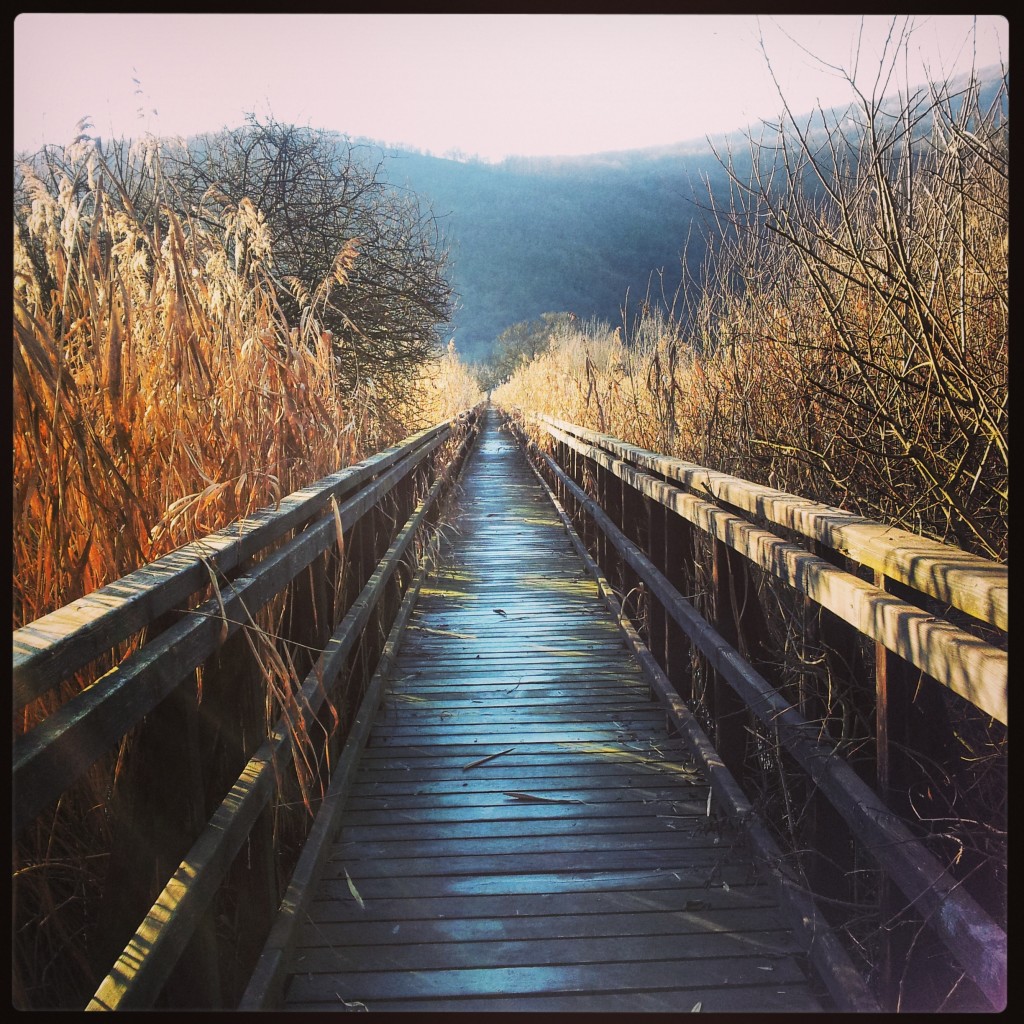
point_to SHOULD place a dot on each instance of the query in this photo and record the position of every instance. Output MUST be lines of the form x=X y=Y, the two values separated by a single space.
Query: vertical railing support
x=729 y=711
x=633 y=523
x=612 y=505
x=827 y=836
x=604 y=548
x=910 y=720
x=680 y=572
x=657 y=516
x=157 y=815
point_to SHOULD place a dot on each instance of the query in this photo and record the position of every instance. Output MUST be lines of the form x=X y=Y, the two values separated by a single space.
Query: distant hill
x=579 y=234
x=558 y=234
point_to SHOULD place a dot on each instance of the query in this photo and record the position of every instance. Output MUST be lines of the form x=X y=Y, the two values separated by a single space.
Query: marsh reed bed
x=160 y=392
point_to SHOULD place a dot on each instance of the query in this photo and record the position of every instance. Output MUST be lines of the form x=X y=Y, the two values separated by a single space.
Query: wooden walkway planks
x=522 y=833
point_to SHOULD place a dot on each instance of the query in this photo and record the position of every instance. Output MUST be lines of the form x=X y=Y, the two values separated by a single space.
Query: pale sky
x=487 y=85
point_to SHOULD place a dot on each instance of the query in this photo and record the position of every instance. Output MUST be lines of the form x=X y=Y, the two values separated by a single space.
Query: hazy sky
x=489 y=85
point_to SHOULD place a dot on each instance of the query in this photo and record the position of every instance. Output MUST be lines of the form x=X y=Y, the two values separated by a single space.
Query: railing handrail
x=975 y=940
x=67 y=742
x=978 y=672
x=52 y=647
x=975 y=585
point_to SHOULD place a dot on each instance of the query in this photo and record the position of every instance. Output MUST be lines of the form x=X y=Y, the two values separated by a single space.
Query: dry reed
x=159 y=394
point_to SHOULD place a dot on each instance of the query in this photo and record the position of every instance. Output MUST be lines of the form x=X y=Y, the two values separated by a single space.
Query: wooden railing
x=205 y=799
x=695 y=556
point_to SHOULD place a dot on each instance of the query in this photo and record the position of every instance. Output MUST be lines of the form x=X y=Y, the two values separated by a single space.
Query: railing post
x=558 y=453
x=633 y=522
x=568 y=463
x=232 y=722
x=603 y=547
x=729 y=712
x=611 y=502
x=679 y=570
x=910 y=718
x=376 y=542
x=657 y=516
x=829 y=838
x=158 y=810
x=308 y=615
x=590 y=531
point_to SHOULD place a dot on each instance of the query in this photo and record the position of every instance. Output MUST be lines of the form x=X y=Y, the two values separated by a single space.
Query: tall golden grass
x=159 y=393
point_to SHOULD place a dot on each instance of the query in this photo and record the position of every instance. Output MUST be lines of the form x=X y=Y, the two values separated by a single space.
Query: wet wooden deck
x=523 y=834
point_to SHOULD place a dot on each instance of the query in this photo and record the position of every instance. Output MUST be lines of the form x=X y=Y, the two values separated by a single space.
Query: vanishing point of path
x=523 y=833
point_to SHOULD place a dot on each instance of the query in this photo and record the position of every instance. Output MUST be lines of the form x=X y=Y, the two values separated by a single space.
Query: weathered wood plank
x=791 y=998
x=739 y=972
x=416 y=955
x=579 y=782
x=712 y=909
x=570 y=841
x=510 y=809
x=574 y=923
x=593 y=829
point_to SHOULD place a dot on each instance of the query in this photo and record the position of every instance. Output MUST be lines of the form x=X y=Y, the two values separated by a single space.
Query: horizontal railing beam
x=975 y=585
x=65 y=744
x=56 y=645
x=971 y=668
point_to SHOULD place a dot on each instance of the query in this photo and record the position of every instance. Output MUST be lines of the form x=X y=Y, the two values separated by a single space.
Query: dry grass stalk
x=159 y=394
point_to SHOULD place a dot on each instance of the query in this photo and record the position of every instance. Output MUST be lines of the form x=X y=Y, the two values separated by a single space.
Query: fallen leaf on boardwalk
x=532 y=798
x=352 y=889
x=489 y=757
x=501 y=612
x=345 y=1002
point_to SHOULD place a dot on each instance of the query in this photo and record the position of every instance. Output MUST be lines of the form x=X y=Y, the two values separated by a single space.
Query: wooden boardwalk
x=523 y=834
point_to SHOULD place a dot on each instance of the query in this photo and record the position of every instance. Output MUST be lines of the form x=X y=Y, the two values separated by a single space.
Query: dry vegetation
x=848 y=343
x=849 y=338
x=160 y=392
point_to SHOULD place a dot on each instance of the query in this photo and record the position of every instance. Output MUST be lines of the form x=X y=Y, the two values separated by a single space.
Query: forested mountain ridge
x=586 y=234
